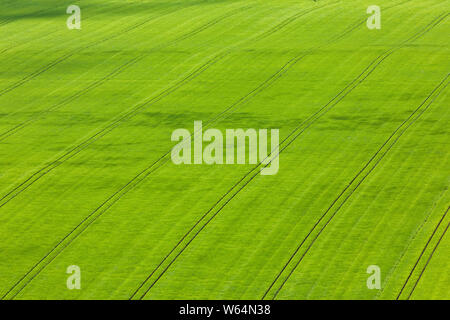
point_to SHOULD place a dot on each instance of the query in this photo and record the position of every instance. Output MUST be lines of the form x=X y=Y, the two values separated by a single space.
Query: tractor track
x=117 y=71
x=122 y=191
x=421 y=255
x=242 y=179
x=442 y=88
x=78 y=148
x=413 y=237
x=428 y=261
x=380 y=59
x=75 y=150
x=291 y=19
x=66 y=56
x=137 y=179
x=135 y=60
x=48 y=34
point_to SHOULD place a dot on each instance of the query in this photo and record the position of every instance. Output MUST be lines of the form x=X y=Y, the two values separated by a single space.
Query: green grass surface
x=86 y=179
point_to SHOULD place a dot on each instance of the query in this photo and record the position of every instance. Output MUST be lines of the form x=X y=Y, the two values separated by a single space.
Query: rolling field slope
x=87 y=178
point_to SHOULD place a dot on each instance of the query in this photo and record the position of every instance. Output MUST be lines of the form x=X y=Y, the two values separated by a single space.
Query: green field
x=86 y=176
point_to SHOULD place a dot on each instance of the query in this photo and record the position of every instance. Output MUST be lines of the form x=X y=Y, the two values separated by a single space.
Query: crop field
x=94 y=206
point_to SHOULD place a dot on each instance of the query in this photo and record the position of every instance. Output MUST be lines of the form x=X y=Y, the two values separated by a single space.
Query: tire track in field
x=428 y=261
x=78 y=148
x=117 y=71
x=47 y=34
x=380 y=59
x=409 y=242
x=135 y=180
x=407 y=123
x=31 y=14
x=420 y=258
x=289 y=20
x=66 y=56
x=135 y=60
x=311 y=120
x=116 y=122
x=220 y=200
x=109 y=127
x=139 y=176
x=120 y=193
x=361 y=23
x=32 y=40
